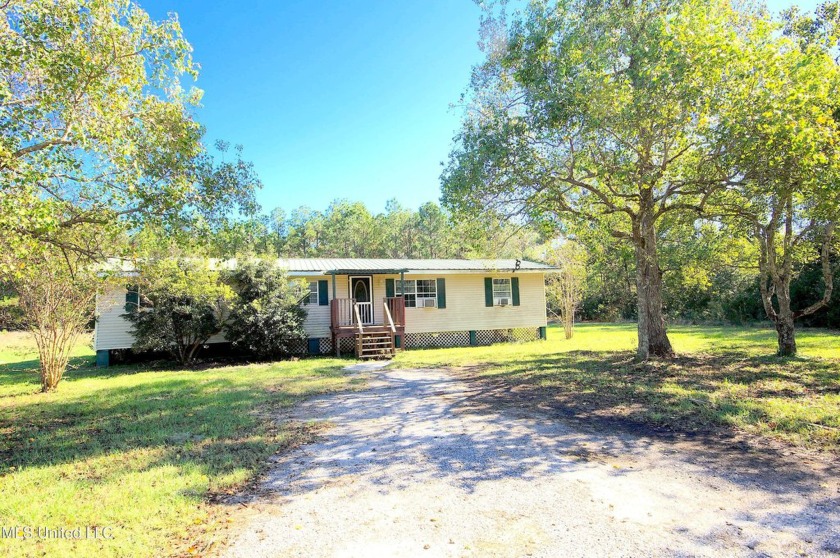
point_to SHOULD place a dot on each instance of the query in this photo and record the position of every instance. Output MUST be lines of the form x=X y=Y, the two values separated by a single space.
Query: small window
x=313 y=293
x=136 y=300
x=419 y=293
x=502 y=294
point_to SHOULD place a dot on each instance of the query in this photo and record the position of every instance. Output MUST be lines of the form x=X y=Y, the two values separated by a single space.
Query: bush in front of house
x=176 y=306
x=266 y=316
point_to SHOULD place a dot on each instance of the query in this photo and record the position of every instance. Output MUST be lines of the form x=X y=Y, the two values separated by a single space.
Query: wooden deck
x=348 y=318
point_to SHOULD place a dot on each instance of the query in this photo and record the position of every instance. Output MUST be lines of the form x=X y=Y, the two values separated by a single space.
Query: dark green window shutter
x=514 y=287
x=389 y=288
x=132 y=298
x=441 y=292
x=488 y=291
x=323 y=293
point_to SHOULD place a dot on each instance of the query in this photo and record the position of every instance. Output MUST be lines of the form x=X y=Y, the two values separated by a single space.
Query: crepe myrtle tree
x=56 y=291
x=180 y=303
x=564 y=288
x=596 y=112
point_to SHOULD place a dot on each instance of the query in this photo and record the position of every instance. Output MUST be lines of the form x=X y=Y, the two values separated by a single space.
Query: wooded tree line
x=708 y=276
x=348 y=229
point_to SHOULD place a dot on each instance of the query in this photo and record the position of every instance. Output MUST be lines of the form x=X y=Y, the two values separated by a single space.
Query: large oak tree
x=596 y=112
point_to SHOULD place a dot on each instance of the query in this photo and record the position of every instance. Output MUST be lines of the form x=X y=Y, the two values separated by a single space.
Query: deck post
x=333 y=283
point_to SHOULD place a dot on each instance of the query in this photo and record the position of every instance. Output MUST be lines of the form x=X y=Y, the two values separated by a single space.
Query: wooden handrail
x=388 y=314
x=358 y=317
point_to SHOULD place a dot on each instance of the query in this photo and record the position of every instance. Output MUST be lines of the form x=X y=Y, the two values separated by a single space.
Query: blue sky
x=336 y=99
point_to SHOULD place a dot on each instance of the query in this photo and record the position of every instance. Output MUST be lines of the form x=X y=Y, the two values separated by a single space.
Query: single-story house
x=377 y=306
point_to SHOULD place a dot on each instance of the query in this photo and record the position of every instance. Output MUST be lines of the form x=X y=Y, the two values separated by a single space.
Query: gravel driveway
x=412 y=467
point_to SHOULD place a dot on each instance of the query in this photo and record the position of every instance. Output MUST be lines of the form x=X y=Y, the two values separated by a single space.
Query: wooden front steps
x=377 y=343
x=373 y=340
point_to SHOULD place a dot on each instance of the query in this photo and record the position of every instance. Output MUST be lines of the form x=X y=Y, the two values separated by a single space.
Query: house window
x=313 y=293
x=418 y=293
x=502 y=294
x=135 y=300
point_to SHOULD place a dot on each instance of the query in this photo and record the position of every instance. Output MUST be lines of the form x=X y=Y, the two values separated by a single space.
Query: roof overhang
x=366 y=271
x=299 y=273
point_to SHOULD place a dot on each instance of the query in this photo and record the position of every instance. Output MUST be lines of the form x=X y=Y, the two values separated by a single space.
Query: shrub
x=179 y=305
x=266 y=319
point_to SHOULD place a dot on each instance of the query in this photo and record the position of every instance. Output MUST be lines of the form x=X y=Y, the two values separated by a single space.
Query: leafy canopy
x=95 y=127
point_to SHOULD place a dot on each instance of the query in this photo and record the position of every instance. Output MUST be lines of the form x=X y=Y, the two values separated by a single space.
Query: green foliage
x=348 y=229
x=779 y=136
x=593 y=114
x=183 y=303
x=56 y=292
x=11 y=314
x=821 y=28
x=96 y=129
x=266 y=317
x=564 y=288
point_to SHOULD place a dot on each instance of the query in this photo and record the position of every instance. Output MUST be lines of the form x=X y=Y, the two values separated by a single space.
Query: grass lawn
x=724 y=377
x=142 y=451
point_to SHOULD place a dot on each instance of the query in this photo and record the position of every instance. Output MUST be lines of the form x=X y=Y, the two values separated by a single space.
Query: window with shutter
x=132 y=298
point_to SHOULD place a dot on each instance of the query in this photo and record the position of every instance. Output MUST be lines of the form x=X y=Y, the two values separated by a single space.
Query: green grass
x=142 y=451
x=724 y=377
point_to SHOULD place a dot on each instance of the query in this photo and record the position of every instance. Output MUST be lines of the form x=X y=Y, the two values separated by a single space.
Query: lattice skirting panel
x=512 y=335
x=298 y=347
x=325 y=346
x=437 y=339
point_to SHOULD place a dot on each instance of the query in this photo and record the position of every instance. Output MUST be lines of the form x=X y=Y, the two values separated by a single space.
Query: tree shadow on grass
x=203 y=417
x=699 y=398
x=588 y=382
x=27 y=371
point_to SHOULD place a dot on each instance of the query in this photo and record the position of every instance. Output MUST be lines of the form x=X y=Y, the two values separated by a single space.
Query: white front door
x=361 y=291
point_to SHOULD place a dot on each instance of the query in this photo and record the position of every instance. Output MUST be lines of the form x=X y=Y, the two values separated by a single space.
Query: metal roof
x=367 y=266
x=344 y=265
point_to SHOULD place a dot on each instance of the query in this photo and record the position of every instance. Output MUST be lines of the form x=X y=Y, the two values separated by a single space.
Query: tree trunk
x=653 y=338
x=568 y=321
x=787 y=336
x=784 y=321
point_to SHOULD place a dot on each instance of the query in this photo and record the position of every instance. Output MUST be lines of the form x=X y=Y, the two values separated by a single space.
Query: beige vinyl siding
x=465 y=309
x=317 y=322
x=112 y=330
